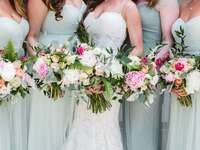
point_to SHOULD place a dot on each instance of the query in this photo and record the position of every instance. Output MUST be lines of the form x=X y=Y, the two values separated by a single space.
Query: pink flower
x=80 y=50
x=43 y=70
x=23 y=58
x=158 y=62
x=169 y=77
x=179 y=66
x=135 y=79
x=144 y=60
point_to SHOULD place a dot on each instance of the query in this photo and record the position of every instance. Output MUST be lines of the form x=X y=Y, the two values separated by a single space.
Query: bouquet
x=141 y=78
x=14 y=80
x=100 y=75
x=181 y=73
x=49 y=70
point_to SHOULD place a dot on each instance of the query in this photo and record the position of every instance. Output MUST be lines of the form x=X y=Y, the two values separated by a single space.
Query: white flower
x=88 y=59
x=15 y=82
x=133 y=97
x=135 y=59
x=5 y=90
x=193 y=82
x=8 y=71
x=71 y=76
x=99 y=51
x=99 y=69
x=55 y=67
x=154 y=80
x=70 y=59
x=116 y=69
x=27 y=80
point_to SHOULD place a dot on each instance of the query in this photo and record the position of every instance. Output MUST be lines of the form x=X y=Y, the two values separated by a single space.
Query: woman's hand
x=163 y=53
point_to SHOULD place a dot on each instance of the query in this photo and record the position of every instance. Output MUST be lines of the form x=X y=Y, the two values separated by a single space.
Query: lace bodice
x=108 y=30
x=60 y=31
x=10 y=30
x=192 y=32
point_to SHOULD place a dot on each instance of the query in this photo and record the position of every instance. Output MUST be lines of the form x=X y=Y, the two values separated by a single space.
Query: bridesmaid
x=51 y=22
x=143 y=124
x=184 y=131
x=13 y=121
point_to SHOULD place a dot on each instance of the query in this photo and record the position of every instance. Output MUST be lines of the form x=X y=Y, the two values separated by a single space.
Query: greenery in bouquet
x=14 y=79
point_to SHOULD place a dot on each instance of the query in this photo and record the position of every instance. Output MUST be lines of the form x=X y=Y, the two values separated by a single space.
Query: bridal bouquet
x=101 y=73
x=49 y=70
x=14 y=80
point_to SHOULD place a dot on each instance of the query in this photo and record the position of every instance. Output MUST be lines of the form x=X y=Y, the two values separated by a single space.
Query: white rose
x=193 y=82
x=15 y=82
x=88 y=59
x=8 y=71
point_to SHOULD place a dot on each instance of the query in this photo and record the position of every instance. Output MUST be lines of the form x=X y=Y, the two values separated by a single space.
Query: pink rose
x=144 y=60
x=179 y=66
x=80 y=50
x=135 y=79
x=158 y=62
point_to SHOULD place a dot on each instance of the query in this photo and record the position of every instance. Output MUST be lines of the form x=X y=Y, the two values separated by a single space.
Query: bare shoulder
x=129 y=8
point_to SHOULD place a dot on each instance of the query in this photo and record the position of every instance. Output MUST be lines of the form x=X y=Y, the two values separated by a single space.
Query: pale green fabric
x=49 y=120
x=143 y=124
x=13 y=115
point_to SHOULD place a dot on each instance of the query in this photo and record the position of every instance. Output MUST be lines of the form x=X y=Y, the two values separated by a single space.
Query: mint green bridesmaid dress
x=13 y=114
x=50 y=120
x=143 y=124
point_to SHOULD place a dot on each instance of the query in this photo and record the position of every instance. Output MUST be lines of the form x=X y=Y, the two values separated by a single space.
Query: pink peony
x=169 y=77
x=80 y=50
x=135 y=79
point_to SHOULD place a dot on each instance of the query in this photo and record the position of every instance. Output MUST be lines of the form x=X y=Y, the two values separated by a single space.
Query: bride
x=106 y=22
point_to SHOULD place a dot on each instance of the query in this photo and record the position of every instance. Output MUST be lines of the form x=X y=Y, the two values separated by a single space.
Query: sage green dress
x=143 y=124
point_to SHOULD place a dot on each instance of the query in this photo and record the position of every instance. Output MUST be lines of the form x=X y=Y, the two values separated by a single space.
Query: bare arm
x=169 y=12
x=37 y=11
x=134 y=28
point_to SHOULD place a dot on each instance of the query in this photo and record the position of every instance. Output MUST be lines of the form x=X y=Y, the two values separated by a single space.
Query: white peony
x=71 y=76
x=88 y=59
x=8 y=71
x=193 y=82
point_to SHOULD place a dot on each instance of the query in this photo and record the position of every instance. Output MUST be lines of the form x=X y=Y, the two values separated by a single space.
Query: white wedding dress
x=99 y=131
x=184 y=130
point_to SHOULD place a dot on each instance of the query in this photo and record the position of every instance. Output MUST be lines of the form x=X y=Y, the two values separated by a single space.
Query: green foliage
x=84 y=36
x=10 y=52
